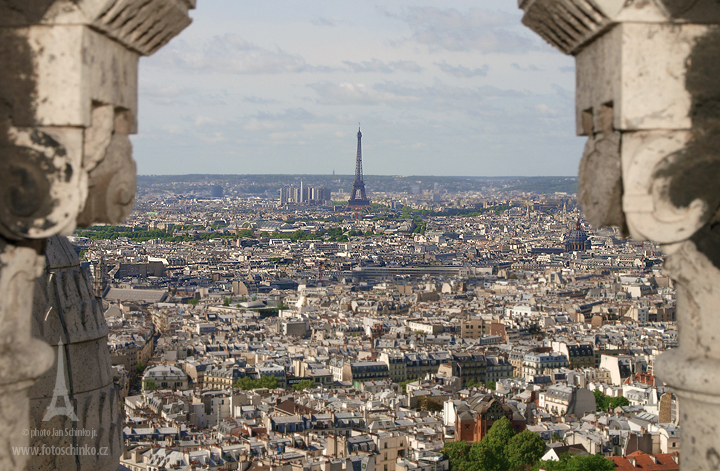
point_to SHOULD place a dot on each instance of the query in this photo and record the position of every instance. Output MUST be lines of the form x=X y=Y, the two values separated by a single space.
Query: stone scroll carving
x=68 y=103
x=648 y=98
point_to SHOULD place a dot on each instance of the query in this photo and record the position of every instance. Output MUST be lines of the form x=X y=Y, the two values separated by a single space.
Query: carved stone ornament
x=647 y=72
x=68 y=102
x=44 y=186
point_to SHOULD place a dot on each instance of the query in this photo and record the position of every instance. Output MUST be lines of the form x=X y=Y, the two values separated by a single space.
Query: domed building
x=577 y=240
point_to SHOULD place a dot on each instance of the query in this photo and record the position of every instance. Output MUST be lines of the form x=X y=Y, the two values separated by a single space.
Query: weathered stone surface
x=44 y=183
x=64 y=306
x=14 y=419
x=656 y=64
x=650 y=212
x=600 y=181
x=72 y=66
x=68 y=101
x=143 y=26
x=566 y=25
x=99 y=419
x=87 y=369
x=66 y=311
x=570 y=25
x=618 y=69
x=112 y=185
x=23 y=359
x=98 y=135
x=694 y=11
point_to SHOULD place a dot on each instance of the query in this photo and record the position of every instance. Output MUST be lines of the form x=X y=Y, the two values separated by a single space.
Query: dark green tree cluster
x=247 y=383
x=570 y=462
x=500 y=450
x=604 y=403
x=295 y=236
x=336 y=234
x=303 y=385
x=142 y=235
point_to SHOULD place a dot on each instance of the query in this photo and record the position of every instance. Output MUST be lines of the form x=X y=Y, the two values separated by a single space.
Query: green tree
x=614 y=402
x=193 y=302
x=603 y=402
x=269 y=382
x=139 y=367
x=570 y=462
x=489 y=453
x=458 y=454
x=525 y=448
x=491 y=385
x=304 y=384
x=590 y=463
x=600 y=402
x=247 y=383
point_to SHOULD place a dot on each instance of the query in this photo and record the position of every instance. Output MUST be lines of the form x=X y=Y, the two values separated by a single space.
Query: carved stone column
x=68 y=101
x=648 y=98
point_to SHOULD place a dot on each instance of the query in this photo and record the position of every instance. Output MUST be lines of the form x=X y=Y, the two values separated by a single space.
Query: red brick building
x=473 y=423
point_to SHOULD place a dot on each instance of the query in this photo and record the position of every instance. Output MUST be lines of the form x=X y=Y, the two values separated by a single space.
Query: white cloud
x=259 y=100
x=527 y=68
x=173 y=129
x=471 y=30
x=230 y=53
x=545 y=110
x=207 y=121
x=461 y=71
x=357 y=93
x=376 y=65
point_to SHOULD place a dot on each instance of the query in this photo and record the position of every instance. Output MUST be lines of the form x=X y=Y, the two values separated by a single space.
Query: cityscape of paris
x=342 y=236
x=399 y=322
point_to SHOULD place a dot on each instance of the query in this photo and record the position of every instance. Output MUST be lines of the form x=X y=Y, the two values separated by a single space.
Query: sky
x=439 y=88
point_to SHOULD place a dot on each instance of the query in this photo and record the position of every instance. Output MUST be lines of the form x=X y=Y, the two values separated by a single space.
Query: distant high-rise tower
x=358 y=198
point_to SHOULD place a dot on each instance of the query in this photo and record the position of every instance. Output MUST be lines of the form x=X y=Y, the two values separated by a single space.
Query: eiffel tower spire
x=358 y=198
x=60 y=391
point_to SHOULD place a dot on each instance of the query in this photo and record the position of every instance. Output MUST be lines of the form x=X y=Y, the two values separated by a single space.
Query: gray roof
x=136 y=295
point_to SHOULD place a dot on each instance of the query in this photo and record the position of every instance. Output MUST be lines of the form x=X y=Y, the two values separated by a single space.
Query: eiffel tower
x=358 y=199
x=60 y=391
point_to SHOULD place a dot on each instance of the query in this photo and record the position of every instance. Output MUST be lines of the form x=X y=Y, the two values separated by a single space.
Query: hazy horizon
x=348 y=175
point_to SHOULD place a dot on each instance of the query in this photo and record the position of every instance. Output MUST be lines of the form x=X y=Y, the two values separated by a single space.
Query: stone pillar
x=648 y=98
x=68 y=101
